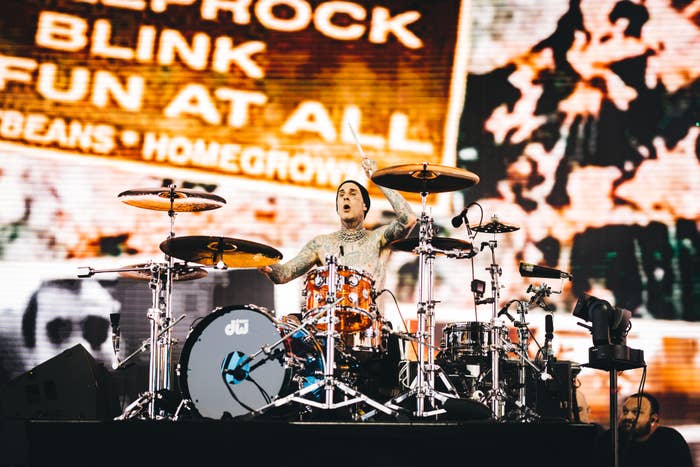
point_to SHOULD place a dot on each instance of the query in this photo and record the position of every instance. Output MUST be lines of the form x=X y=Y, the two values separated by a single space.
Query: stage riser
x=197 y=443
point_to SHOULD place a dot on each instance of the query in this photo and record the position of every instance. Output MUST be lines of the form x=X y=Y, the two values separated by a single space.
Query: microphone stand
x=496 y=394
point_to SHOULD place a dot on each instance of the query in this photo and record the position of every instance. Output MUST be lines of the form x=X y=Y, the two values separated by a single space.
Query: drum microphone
x=548 y=335
x=533 y=270
x=504 y=311
x=238 y=369
x=547 y=352
x=459 y=218
x=114 y=321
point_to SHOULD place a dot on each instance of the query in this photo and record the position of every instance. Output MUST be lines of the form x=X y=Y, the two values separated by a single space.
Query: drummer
x=353 y=244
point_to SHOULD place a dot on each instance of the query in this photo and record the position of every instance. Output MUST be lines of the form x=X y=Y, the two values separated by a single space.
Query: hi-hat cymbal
x=214 y=251
x=494 y=226
x=183 y=200
x=440 y=245
x=424 y=178
x=181 y=272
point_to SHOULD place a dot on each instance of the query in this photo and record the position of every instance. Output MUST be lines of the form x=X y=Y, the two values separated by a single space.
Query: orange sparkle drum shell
x=355 y=308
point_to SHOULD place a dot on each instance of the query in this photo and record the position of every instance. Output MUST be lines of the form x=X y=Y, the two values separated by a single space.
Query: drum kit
x=243 y=361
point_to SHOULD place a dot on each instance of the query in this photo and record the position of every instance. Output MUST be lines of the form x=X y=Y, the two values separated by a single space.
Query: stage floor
x=264 y=443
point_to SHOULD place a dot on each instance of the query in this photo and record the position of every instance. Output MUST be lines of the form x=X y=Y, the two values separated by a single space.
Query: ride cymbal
x=214 y=251
x=181 y=272
x=183 y=200
x=424 y=178
x=441 y=245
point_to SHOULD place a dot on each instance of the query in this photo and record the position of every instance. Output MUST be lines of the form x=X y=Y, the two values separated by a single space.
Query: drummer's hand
x=369 y=166
x=265 y=269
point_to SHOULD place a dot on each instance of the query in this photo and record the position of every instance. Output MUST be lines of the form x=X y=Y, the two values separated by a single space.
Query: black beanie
x=363 y=191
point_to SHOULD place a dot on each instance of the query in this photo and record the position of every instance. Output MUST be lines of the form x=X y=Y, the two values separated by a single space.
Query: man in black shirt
x=642 y=441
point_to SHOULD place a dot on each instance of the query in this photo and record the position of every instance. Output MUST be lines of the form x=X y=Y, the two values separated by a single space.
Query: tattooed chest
x=363 y=254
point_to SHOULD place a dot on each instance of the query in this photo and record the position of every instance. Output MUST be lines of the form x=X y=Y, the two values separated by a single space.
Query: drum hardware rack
x=329 y=383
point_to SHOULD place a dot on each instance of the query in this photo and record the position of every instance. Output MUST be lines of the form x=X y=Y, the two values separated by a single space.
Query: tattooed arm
x=295 y=267
x=405 y=217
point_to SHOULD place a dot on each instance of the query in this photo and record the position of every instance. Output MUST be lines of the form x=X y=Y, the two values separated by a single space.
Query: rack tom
x=355 y=307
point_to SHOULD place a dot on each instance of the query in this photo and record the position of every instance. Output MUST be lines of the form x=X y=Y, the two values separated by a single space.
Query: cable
x=470 y=236
x=230 y=391
x=398 y=309
x=263 y=392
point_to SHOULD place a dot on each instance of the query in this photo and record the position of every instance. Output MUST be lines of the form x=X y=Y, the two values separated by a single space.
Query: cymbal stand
x=328 y=383
x=496 y=394
x=423 y=386
x=146 y=344
x=161 y=324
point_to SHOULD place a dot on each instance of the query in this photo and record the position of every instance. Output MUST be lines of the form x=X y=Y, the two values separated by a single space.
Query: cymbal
x=210 y=251
x=181 y=272
x=444 y=245
x=424 y=178
x=184 y=200
x=494 y=226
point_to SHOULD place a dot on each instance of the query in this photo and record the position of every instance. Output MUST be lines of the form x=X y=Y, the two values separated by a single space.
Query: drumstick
x=357 y=143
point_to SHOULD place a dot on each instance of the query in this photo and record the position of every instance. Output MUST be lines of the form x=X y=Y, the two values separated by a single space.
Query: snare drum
x=354 y=291
x=368 y=343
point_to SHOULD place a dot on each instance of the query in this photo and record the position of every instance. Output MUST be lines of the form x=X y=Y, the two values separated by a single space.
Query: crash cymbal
x=424 y=178
x=181 y=272
x=440 y=245
x=211 y=251
x=184 y=200
x=495 y=226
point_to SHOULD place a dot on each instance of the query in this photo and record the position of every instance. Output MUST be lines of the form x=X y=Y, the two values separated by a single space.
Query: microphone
x=238 y=373
x=533 y=270
x=114 y=321
x=459 y=218
x=548 y=336
x=237 y=368
x=504 y=311
x=548 y=327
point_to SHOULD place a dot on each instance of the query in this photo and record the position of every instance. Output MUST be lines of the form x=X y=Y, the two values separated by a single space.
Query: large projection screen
x=581 y=120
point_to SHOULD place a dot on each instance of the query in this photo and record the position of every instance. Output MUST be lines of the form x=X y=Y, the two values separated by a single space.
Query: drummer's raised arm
x=306 y=259
x=405 y=217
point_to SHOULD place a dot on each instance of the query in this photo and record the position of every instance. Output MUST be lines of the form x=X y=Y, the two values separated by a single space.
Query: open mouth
x=346 y=207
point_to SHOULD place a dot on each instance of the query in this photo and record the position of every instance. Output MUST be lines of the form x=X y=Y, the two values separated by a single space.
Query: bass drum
x=216 y=375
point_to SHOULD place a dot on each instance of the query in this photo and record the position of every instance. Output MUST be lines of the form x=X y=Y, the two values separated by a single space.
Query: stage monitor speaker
x=554 y=397
x=69 y=386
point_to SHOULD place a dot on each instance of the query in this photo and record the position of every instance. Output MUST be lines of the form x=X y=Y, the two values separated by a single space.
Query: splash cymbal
x=183 y=200
x=181 y=272
x=215 y=251
x=440 y=245
x=424 y=178
x=494 y=226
